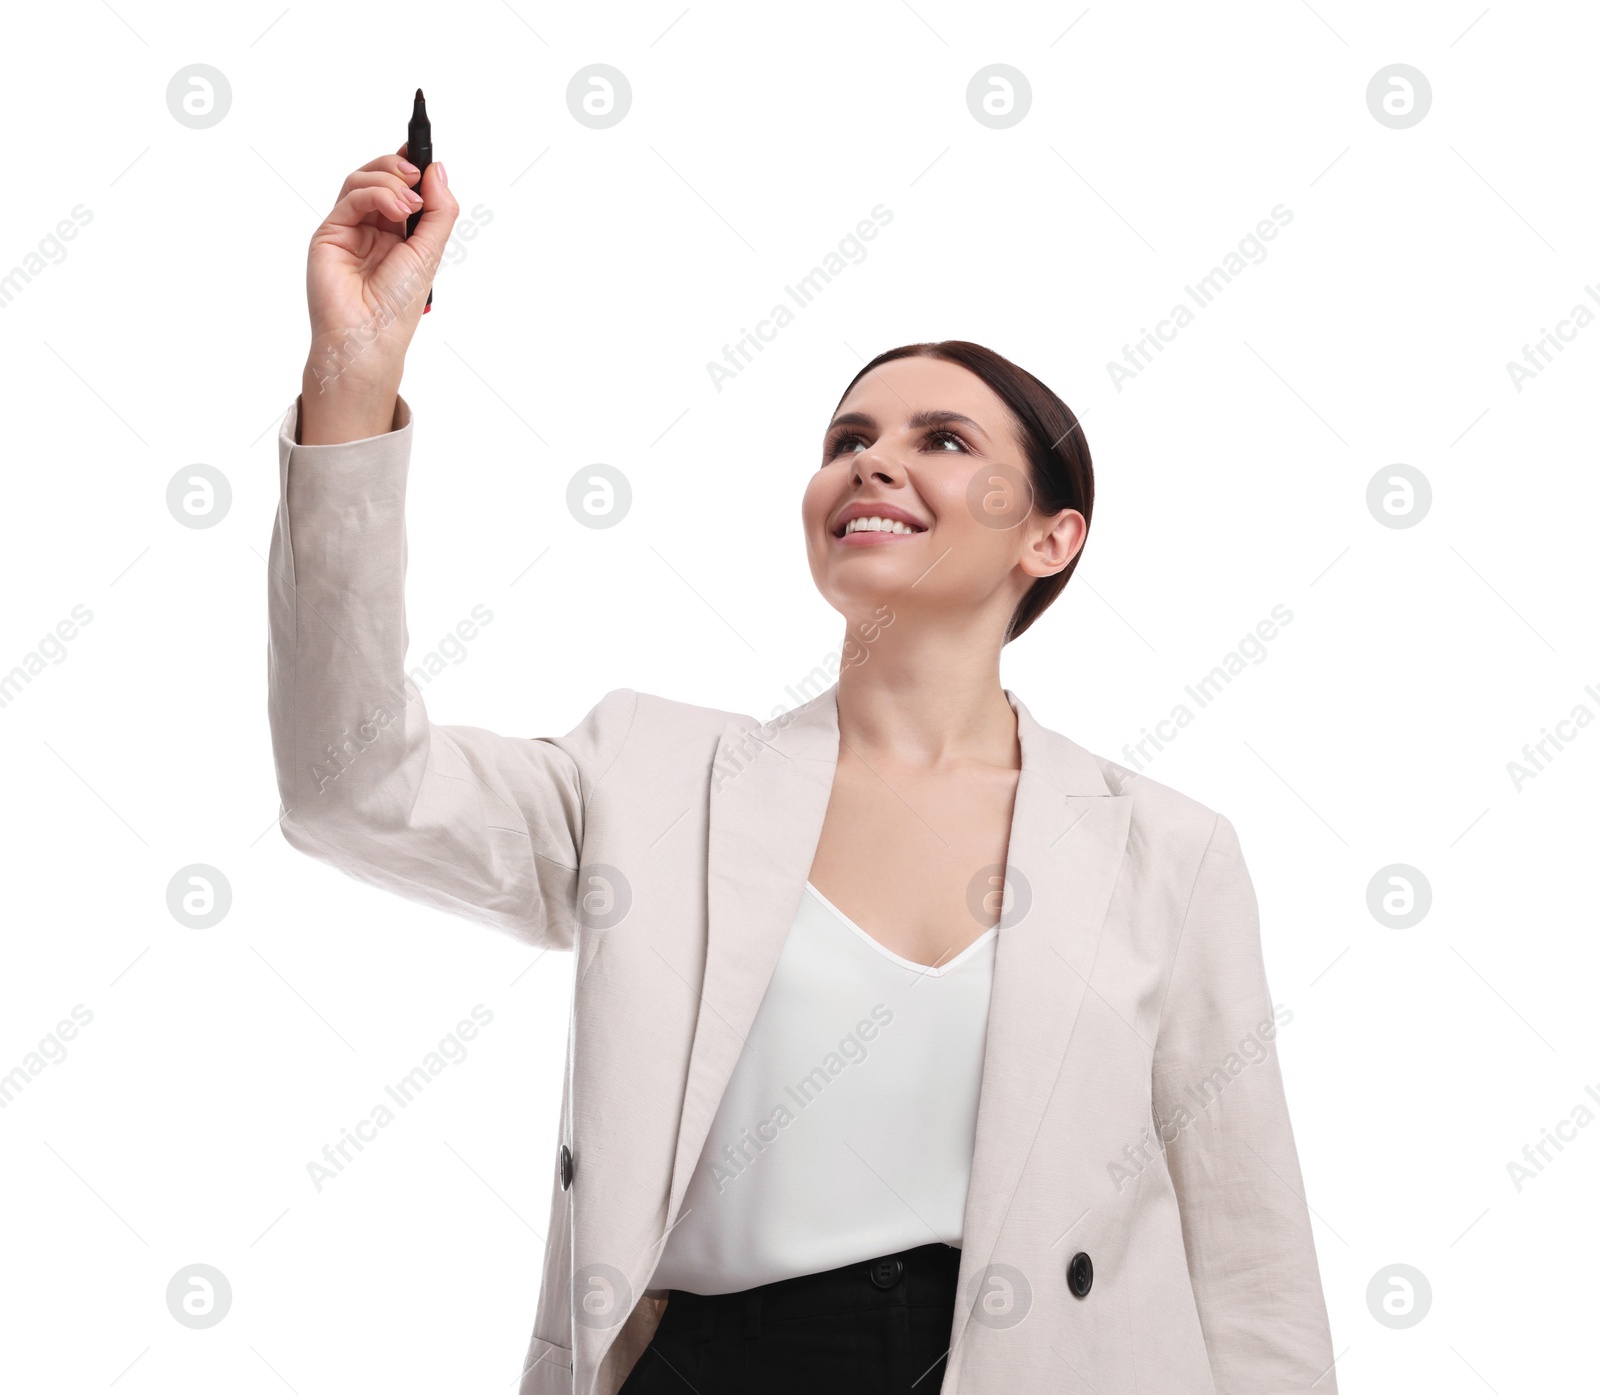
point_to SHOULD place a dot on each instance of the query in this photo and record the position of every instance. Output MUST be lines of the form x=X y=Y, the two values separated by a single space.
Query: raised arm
x=484 y=826
x=1219 y=1100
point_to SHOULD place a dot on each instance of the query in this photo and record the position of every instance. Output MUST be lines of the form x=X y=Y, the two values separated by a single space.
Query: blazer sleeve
x=484 y=826
x=1220 y=1106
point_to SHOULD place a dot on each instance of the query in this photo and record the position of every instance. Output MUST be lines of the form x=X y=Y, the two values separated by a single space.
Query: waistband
x=924 y=1276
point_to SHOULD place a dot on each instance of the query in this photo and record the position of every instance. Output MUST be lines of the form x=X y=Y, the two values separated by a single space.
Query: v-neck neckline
x=930 y=970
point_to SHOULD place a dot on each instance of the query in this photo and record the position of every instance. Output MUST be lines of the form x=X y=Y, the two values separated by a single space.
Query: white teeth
x=878 y=525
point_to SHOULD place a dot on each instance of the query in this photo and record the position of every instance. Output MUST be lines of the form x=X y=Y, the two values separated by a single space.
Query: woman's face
x=926 y=444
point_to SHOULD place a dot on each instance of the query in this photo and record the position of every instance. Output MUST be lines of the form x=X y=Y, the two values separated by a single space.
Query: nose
x=875 y=464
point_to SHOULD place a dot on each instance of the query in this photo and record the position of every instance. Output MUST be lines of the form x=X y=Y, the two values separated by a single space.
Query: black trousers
x=876 y=1327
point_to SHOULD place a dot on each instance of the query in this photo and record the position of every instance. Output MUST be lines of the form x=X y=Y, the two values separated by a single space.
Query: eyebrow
x=917 y=420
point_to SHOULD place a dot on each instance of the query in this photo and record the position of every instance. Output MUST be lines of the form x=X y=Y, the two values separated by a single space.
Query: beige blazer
x=1132 y=1109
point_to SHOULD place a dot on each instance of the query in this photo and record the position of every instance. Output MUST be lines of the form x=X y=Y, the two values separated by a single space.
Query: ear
x=1055 y=540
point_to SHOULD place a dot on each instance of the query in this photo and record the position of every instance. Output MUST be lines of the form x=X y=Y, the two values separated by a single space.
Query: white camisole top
x=847 y=1128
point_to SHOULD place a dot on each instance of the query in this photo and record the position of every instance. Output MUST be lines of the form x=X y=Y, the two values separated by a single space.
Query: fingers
x=393 y=164
x=381 y=193
x=439 y=210
x=392 y=171
x=377 y=179
x=373 y=200
x=363 y=179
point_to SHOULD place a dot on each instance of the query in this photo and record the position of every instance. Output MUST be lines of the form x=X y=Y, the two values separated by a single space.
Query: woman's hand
x=366 y=286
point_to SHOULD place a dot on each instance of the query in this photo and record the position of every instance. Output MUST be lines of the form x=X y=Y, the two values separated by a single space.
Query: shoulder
x=670 y=715
x=661 y=724
x=629 y=734
x=1175 y=842
x=1158 y=812
x=1160 y=805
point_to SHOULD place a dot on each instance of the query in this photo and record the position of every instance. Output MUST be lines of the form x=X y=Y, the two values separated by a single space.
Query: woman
x=913 y=1045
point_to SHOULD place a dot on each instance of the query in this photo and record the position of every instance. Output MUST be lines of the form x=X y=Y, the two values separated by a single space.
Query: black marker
x=419 y=150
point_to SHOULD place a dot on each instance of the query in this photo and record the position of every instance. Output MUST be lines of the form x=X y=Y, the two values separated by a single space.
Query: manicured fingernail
x=406 y=167
x=413 y=198
x=443 y=177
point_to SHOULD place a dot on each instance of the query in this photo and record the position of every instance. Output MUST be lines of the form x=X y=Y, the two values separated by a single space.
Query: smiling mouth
x=874 y=527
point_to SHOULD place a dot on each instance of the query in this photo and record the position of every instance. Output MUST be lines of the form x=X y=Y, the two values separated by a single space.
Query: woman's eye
x=838 y=446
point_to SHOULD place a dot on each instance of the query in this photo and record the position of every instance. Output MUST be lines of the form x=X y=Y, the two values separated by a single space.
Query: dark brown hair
x=1058 y=455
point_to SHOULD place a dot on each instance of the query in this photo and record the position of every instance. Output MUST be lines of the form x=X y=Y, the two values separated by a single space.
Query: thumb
x=439 y=211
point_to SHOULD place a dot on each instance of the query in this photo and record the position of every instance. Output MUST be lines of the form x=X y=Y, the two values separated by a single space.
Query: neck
x=926 y=697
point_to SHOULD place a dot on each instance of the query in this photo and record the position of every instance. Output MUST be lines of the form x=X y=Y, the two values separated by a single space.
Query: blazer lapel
x=769 y=796
x=1069 y=832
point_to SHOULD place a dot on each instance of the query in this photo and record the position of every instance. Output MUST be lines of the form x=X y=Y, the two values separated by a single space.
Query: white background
x=1232 y=476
